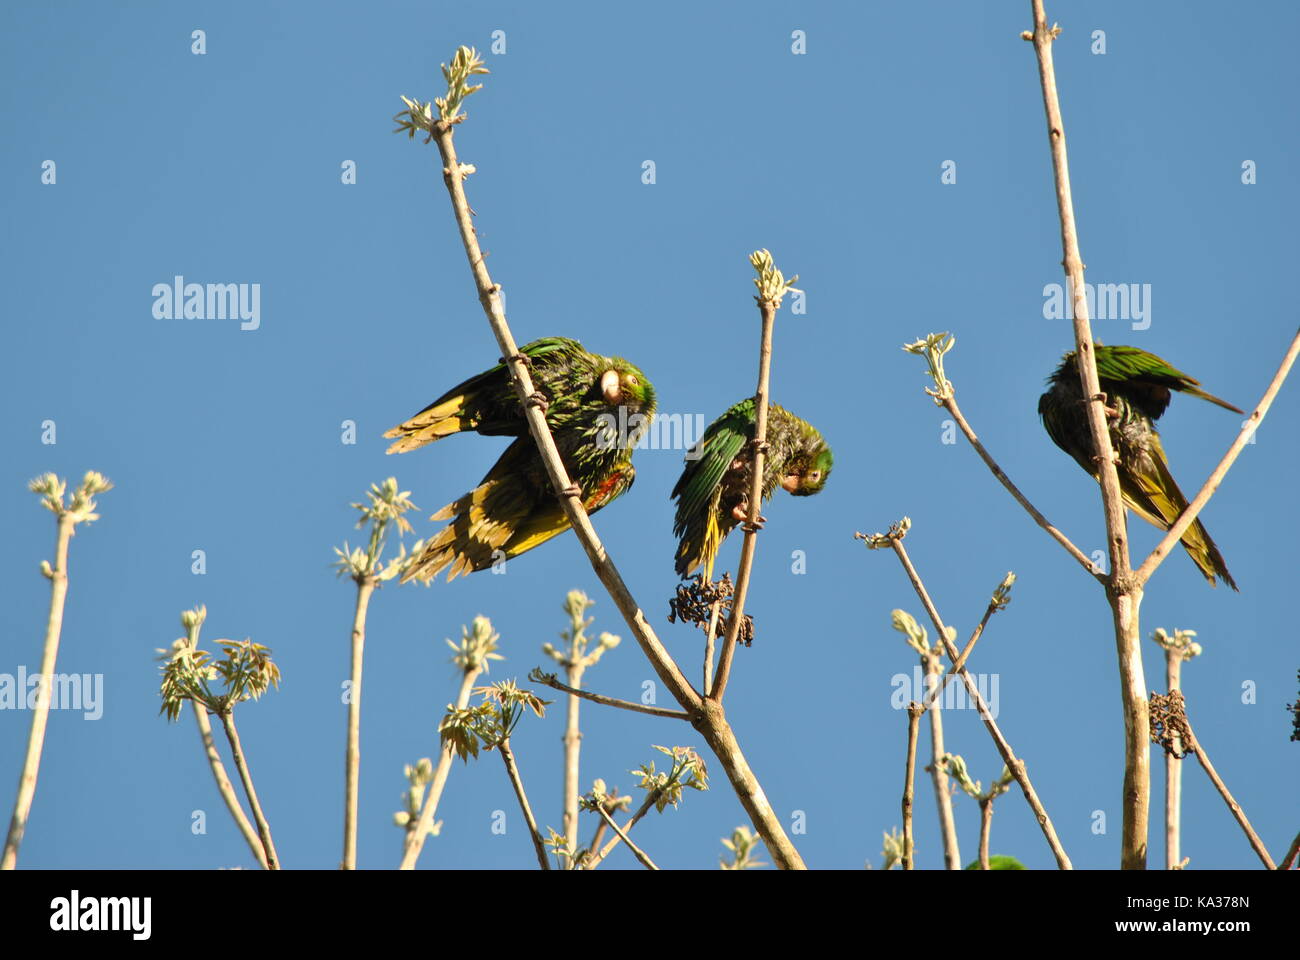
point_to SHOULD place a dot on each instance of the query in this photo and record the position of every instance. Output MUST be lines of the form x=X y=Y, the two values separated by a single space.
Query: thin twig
x=649 y=801
x=352 y=758
x=913 y=722
x=572 y=755
x=636 y=851
x=512 y=770
x=758 y=446
x=224 y=786
x=950 y=404
x=1238 y=814
x=1289 y=860
x=415 y=837
x=1124 y=593
x=938 y=776
x=937 y=689
x=1014 y=764
x=546 y=680
x=709 y=636
x=246 y=778
x=1188 y=516
x=710 y=720
x=986 y=826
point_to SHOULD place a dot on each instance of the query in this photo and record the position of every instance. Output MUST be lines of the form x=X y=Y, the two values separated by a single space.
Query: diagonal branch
x=1238 y=814
x=512 y=770
x=950 y=404
x=550 y=680
x=636 y=851
x=649 y=801
x=1188 y=516
x=1014 y=764
x=454 y=174
x=708 y=717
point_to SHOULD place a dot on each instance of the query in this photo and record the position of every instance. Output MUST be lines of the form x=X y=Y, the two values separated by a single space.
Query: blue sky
x=225 y=168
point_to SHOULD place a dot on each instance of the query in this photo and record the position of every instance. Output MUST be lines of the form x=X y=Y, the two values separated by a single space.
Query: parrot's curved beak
x=610 y=387
x=790 y=482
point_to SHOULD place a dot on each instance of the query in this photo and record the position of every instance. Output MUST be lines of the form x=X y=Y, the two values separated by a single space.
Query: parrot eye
x=815 y=476
x=631 y=380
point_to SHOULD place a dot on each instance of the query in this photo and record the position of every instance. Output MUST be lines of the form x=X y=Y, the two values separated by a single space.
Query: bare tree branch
x=1188 y=516
x=707 y=716
x=549 y=680
x=1014 y=764
x=1123 y=591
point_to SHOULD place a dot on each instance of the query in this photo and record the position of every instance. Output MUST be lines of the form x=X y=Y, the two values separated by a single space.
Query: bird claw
x=572 y=490
x=740 y=513
x=523 y=358
x=538 y=399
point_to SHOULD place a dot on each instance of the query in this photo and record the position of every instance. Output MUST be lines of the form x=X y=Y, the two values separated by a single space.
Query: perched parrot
x=1137 y=386
x=597 y=409
x=713 y=491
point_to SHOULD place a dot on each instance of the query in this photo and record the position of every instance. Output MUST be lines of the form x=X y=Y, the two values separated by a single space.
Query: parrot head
x=807 y=473
x=623 y=385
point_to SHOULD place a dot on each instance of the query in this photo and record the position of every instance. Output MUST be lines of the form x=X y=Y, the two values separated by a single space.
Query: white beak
x=610 y=387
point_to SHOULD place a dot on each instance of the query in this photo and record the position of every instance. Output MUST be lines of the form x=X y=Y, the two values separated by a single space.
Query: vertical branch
x=913 y=722
x=1123 y=592
x=572 y=752
x=58 y=577
x=246 y=778
x=352 y=761
x=710 y=636
x=758 y=447
x=1173 y=770
x=512 y=770
x=986 y=826
x=942 y=795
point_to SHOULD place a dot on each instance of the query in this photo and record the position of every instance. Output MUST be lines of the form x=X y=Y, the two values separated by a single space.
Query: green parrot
x=713 y=491
x=1137 y=386
x=597 y=408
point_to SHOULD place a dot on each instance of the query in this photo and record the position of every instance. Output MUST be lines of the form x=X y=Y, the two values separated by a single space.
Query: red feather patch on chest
x=602 y=493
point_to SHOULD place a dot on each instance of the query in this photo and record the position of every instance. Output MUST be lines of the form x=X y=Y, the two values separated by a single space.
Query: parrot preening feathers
x=597 y=408
x=1138 y=388
x=713 y=491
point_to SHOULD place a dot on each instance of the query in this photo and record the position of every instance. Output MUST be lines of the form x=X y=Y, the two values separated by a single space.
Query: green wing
x=486 y=403
x=719 y=446
x=698 y=490
x=1147 y=379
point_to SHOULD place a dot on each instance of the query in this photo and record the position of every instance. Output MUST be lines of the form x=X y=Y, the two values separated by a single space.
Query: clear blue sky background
x=226 y=168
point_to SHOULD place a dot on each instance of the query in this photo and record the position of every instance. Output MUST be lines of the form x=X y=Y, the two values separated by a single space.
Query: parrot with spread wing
x=713 y=491
x=597 y=408
x=1137 y=386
